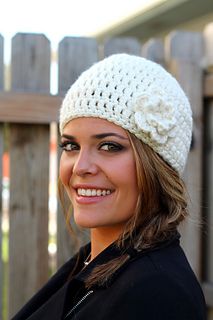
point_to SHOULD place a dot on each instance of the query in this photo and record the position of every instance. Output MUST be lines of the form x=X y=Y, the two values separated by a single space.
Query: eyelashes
x=68 y=146
x=111 y=147
x=107 y=146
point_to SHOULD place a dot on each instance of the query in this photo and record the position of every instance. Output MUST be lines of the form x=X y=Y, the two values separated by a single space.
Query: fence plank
x=208 y=187
x=75 y=55
x=29 y=168
x=1 y=63
x=1 y=154
x=184 y=52
x=122 y=45
x=1 y=262
x=154 y=50
x=30 y=60
x=208 y=161
x=29 y=107
x=208 y=41
x=208 y=85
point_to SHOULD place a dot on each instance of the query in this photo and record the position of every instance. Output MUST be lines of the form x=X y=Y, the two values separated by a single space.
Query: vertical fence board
x=184 y=52
x=208 y=40
x=122 y=45
x=154 y=50
x=75 y=55
x=208 y=162
x=29 y=176
x=1 y=262
x=1 y=153
x=1 y=63
x=208 y=191
x=30 y=63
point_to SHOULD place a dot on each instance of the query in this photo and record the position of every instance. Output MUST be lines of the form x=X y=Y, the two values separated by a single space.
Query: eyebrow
x=108 y=134
x=98 y=136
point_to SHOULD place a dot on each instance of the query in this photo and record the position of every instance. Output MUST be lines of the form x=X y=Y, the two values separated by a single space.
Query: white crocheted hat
x=138 y=95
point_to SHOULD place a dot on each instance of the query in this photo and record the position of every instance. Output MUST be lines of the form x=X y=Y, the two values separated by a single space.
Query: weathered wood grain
x=75 y=56
x=184 y=52
x=1 y=262
x=29 y=176
x=122 y=45
x=208 y=291
x=154 y=50
x=29 y=61
x=208 y=42
x=29 y=107
x=1 y=154
x=208 y=187
x=208 y=85
x=1 y=63
x=208 y=166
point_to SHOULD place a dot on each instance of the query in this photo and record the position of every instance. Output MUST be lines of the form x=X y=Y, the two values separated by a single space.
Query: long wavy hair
x=161 y=206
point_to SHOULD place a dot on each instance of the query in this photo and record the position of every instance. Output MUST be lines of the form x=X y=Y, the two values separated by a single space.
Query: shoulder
x=159 y=282
x=158 y=296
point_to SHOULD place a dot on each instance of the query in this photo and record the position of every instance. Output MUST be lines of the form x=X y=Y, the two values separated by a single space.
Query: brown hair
x=161 y=206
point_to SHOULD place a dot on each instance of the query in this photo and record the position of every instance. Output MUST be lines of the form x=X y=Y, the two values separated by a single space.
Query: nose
x=85 y=164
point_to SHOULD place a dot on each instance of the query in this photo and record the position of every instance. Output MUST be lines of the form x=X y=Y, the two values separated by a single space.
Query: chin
x=84 y=223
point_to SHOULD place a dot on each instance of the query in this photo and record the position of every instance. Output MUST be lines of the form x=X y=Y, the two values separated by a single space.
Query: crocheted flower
x=155 y=116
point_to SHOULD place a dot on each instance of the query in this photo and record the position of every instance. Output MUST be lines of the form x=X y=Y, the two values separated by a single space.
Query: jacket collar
x=56 y=302
x=113 y=252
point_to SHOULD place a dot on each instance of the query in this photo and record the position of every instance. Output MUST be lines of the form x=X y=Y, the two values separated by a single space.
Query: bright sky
x=57 y=19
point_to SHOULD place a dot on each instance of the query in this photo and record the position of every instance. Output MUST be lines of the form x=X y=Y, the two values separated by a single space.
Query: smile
x=93 y=192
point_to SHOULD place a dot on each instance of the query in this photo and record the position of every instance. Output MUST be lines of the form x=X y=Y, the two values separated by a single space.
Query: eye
x=111 y=147
x=69 y=146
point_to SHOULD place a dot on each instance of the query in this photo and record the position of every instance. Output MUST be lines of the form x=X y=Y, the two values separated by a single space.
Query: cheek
x=128 y=172
x=65 y=170
x=123 y=174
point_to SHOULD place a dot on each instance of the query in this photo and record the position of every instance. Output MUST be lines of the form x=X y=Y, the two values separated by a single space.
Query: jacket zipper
x=78 y=303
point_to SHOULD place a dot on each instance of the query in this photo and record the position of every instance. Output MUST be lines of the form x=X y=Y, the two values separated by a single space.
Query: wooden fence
x=28 y=109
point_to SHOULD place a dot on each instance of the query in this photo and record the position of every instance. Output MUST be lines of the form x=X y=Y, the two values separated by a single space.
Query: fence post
x=29 y=176
x=208 y=43
x=184 y=52
x=75 y=55
x=1 y=155
x=122 y=45
x=154 y=50
x=208 y=170
x=1 y=62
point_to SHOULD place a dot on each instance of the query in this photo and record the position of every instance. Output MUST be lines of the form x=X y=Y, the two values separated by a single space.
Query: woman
x=125 y=134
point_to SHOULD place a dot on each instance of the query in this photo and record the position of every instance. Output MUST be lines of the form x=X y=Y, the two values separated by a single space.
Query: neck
x=101 y=238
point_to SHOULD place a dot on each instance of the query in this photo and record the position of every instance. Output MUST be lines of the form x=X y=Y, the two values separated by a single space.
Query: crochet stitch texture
x=141 y=97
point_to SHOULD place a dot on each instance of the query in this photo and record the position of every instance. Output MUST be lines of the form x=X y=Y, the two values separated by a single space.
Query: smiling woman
x=96 y=156
x=126 y=130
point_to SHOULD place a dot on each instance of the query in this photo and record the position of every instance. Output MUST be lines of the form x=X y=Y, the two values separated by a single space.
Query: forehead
x=91 y=126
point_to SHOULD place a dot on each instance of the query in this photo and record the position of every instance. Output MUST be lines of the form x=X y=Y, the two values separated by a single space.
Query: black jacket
x=157 y=284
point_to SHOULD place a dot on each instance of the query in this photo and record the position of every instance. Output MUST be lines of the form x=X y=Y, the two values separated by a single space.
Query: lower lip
x=91 y=200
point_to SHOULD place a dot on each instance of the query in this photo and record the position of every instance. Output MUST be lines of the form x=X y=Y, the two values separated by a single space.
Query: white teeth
x=88 y=193
x=92 y=192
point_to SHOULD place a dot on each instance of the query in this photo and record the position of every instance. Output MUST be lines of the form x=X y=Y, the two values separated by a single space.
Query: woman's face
x=97 y=168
